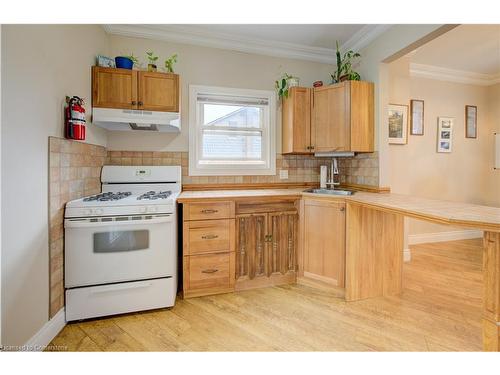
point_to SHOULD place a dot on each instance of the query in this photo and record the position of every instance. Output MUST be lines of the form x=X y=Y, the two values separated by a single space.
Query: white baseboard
x=414 y=239
x=45 y=335
x=406 y=255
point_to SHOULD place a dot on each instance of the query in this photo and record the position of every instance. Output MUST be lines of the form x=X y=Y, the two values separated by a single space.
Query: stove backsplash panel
x=74 y=172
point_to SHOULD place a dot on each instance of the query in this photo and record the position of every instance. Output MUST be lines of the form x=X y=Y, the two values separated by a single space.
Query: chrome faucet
x=334 y=171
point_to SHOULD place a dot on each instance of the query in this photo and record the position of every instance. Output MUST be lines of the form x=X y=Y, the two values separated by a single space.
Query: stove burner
x=153 y=195
x=109 y=196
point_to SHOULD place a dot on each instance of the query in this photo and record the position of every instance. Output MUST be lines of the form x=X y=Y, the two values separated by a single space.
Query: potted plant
x=169 y=63
x=284 y=83
x=152 y=61
x=344 y=70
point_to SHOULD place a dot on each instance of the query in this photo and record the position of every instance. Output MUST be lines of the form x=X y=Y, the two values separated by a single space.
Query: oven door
x=116 y=249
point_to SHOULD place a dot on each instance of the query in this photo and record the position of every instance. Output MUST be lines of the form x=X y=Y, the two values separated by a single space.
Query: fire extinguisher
x=74 y=118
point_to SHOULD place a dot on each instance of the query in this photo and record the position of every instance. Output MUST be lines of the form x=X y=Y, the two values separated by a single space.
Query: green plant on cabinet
x=169 y=63
x=344 y=70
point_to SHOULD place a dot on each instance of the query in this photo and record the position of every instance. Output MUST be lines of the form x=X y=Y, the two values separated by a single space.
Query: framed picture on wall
x=398 y=124
x=445 y=134
x=416 y=117
x=470 y=121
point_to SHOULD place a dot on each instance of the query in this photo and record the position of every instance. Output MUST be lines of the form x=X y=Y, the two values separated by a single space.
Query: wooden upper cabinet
x=296 y=121
x=159 y=91
x=132 y=89
x=343 y=117
x=114 y=88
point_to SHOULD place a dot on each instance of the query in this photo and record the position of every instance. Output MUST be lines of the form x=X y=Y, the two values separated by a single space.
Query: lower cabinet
x=324 y=241
x=266 y=248
x=208 y=274
x=236 y=245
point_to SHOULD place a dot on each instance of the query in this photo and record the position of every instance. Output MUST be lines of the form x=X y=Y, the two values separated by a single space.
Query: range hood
x=136 y=120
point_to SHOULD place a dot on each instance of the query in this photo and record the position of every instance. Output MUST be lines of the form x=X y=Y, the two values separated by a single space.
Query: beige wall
x=464 y=175
x=373 y=68
x=40 y=65
x=208 y=66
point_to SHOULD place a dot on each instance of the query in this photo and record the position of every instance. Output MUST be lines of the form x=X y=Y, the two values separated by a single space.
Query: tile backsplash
x=74 y=172
x=361 y=169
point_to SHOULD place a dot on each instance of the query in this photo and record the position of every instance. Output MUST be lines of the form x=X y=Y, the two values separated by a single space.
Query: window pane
x=231 y=115
x=235 y=145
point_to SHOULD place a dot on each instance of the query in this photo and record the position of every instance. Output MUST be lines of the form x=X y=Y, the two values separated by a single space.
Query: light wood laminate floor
x=440 y=309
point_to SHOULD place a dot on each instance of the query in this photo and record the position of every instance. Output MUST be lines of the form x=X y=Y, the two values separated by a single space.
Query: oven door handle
x=86 y=223
x=119 y=287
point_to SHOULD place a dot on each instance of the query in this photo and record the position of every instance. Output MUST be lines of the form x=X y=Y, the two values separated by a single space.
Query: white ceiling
x=468 y=48
x=305 y=42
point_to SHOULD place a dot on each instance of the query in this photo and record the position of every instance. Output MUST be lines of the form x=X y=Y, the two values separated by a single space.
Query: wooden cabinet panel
x=114 y=88
x=208 y=236
x=208 y=272
x=283 y=245
x=208 y=210
x=331 y=119
x=251 y=243
x=159 y=91
x=343 y=117
x=362 y=116
x=324 y=241
x=296 y=121
x=266 y=249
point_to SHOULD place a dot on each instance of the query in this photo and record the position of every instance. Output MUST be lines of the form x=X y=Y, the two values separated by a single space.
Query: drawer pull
x=209 y=211
x=210 y=236
x=210 y=270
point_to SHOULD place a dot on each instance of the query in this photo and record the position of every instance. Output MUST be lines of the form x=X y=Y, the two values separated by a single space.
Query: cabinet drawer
x=208 y=236
x=207 y=211
x=209 y=271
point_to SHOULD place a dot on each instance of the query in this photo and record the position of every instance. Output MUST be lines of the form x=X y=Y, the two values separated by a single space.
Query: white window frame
x=267 y=167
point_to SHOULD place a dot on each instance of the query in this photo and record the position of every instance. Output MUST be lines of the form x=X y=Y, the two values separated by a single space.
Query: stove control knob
x=87 y=212
x=143 y=210
x=152 y=209
x=98 y=211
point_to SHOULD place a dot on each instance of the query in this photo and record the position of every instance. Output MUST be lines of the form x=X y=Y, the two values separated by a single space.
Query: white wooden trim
x=45 y=335
x=414 y=239
x=189 y=34
x=269 y=168
x=453 y=75
x=364 y=37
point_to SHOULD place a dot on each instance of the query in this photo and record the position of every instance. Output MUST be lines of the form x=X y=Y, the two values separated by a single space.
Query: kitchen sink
x=330 y=191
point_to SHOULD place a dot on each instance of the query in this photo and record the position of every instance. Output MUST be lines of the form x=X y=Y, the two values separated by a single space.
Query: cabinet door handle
x=140 y=103
x=210 y=270
x=210 y=236
x=209 y=211
x=342 y=208
x=312 y=148
x=134 y=102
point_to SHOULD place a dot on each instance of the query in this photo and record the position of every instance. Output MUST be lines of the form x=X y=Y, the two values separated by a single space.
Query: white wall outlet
x=283 y=174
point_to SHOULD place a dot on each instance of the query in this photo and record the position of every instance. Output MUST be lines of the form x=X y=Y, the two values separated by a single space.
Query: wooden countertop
x=437 y=211
x=187 y=196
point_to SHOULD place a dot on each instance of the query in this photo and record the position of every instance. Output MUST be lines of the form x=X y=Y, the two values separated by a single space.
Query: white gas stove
x=121 y=244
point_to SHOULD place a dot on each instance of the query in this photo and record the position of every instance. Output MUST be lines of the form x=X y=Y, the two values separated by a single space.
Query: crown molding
x=453 y=75
x=189 y=34
x=364 y=37
x=194 y=36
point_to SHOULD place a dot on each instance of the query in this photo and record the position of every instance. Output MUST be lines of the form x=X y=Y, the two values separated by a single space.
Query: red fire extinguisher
x=74 y=118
